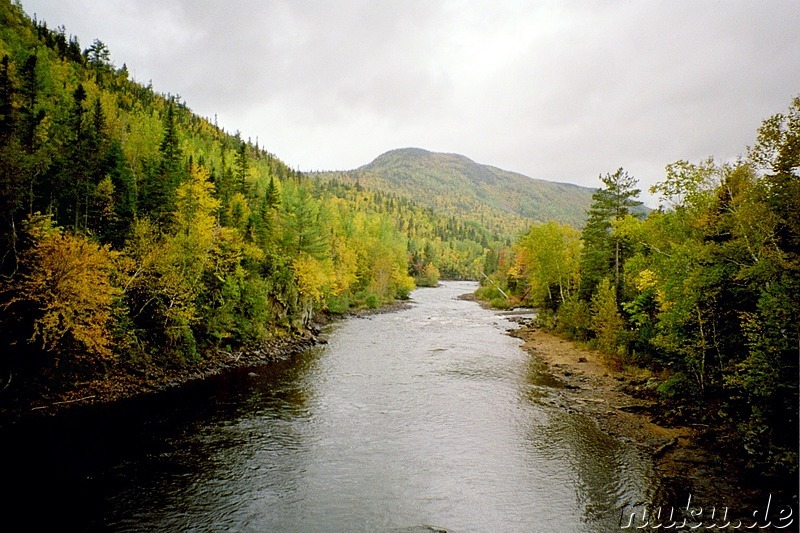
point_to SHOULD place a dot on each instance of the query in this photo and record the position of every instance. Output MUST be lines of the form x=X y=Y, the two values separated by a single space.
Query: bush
x=338 y=304
x=372 y=301
x=68 y=284
x=607 y=324
x=491 y=294
x=574 y=320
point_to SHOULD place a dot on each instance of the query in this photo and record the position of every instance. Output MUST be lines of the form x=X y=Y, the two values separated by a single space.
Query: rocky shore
x=127 y=381
x=123 y=381
x=623 y=404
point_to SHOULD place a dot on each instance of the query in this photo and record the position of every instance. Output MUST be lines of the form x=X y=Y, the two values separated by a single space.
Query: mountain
x=455 y=184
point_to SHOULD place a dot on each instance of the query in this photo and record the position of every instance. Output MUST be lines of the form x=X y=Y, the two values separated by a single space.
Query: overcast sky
x=563 y=91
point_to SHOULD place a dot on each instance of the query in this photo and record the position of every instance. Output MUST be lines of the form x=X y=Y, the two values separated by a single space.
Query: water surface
x=430 y=416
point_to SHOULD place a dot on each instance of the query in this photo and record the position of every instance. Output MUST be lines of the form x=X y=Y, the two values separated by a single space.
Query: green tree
x=158 y=191
x=603 y=252
x=301 y=224
x=8 y=119
x=31 y=114
x=546 y=265
x=607 y=323
x=242 y=167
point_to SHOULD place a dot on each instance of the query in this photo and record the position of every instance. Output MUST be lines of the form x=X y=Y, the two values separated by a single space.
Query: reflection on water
x=431 y=415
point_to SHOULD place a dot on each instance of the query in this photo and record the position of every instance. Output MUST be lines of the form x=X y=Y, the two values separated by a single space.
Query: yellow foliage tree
x=166 y=271
x=313 y=276
x=69 y=281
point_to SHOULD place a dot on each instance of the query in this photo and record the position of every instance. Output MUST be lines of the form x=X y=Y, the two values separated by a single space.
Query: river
x=427 y=417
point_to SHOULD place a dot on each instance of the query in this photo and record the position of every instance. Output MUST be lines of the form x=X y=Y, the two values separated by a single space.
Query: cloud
x=558 y=90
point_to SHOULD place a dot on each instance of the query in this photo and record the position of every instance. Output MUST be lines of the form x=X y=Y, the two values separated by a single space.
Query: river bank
x=126 y=380
x=623 y=404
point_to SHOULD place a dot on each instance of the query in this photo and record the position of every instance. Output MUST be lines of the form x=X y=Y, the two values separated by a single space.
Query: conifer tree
x=604 y=253
x=31 y=116
x=7 y=115
x=241 y=167
x=75 y=171
x=158 y=191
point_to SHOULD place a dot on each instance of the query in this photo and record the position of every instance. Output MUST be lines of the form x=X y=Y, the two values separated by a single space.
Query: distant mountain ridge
x=456 y=184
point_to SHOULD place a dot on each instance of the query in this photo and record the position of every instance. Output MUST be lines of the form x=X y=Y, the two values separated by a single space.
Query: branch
x=63 y=402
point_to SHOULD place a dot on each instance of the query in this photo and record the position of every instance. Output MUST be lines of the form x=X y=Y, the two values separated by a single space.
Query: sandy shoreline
x=590 y=387
x=611 y=398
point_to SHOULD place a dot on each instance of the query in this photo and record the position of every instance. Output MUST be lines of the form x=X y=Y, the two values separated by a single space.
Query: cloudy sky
x=555 y=90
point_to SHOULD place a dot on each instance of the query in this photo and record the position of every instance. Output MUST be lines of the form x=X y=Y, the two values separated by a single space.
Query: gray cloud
x=558 y=90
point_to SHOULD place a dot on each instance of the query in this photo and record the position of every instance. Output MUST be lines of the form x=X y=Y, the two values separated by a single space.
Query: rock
x=686 y=455
x=652 y=384
x=582 y=359
x=634 y=408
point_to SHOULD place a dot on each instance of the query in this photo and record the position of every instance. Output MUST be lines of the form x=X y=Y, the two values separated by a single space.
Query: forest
x=704 y=292
x=136 y=234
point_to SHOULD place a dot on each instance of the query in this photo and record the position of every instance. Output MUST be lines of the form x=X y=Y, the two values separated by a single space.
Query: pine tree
x=31 y=116
x=7 y=115
x=241 y=167
x=158 y=191
x=75 y=173
x=272 y=197
x=604 y=253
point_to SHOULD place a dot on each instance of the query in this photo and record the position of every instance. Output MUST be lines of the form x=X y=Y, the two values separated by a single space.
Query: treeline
x=438 y=245
x=133 y=231
x=705 y=291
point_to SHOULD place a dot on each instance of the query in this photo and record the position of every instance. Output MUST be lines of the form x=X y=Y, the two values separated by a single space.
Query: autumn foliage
x=67 y=285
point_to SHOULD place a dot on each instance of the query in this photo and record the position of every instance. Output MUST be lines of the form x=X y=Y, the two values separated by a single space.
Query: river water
x=426 y=417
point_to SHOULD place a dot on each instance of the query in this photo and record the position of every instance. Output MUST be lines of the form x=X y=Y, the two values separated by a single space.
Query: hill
x=137 y=237
x=452 y=183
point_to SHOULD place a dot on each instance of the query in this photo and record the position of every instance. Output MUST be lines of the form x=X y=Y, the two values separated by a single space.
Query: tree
x=11 y=186
x=301 y=228
x=68 y=282
x=546 y=266
x=603 y=252
x=272 y=196
x=607 y=323
x=30 y=113
x=166 y=272
x=686 y=183
x=74 y=183
x=158 y=191
x=242 y=167
x=8 y=117
x=98 y=54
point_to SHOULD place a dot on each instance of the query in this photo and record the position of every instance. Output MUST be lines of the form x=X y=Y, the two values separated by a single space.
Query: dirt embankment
x=592 y=387
x=622 y=404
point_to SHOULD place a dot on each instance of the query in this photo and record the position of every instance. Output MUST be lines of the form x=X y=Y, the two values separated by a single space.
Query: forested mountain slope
x=452 y=183
x=134 y=232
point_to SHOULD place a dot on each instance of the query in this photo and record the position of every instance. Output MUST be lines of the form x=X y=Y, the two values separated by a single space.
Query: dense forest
x=503 y=202
x=704 y=292
x=134 y=232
